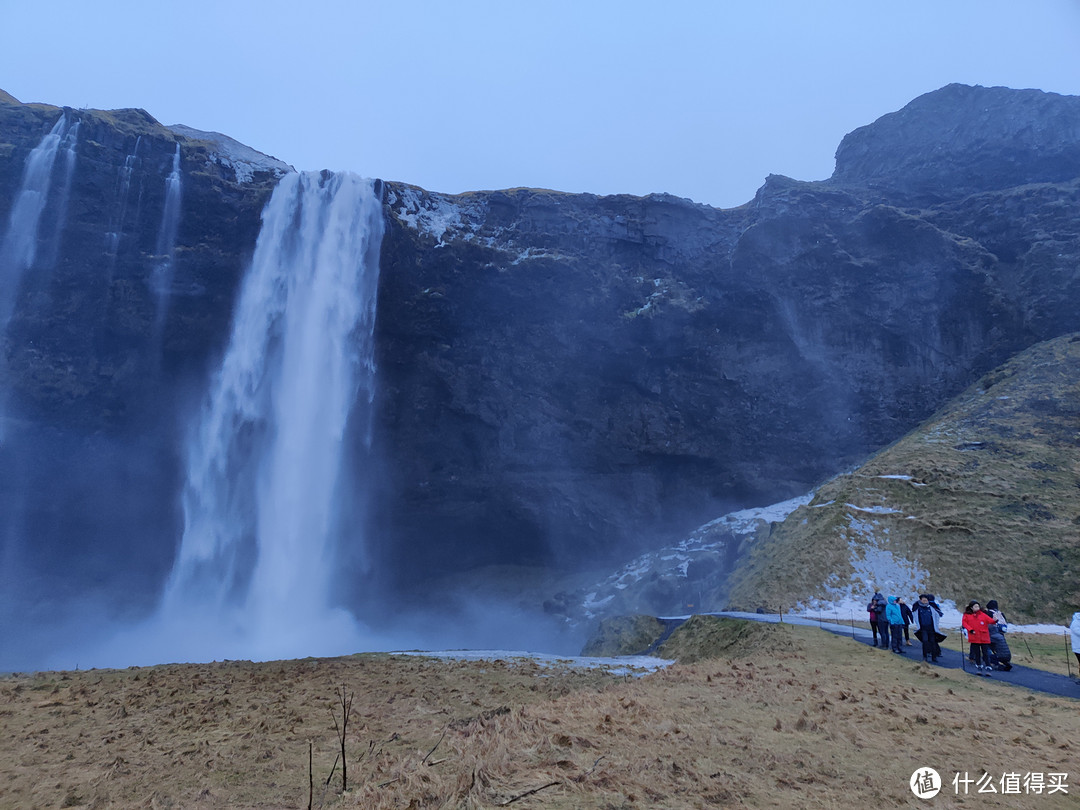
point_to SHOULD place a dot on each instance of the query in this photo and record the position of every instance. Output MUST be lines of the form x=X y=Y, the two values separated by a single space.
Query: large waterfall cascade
x=265 y=463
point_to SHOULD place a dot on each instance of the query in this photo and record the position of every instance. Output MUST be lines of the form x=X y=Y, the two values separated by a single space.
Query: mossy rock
x=702 y=637
x=624 y=635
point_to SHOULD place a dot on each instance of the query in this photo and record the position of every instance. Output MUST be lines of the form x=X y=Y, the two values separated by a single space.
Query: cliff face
x=561 y=377
x=567 y=374
x=101 y=366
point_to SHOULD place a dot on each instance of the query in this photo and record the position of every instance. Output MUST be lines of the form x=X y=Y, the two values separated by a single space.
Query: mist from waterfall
x=165 y=249
x=253 y=574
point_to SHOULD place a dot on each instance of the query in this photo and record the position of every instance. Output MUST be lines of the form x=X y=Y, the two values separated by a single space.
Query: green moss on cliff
x=702 y=637
x=624 y=635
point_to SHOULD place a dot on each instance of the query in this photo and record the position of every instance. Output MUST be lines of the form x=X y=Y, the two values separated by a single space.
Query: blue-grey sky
x=698 y=98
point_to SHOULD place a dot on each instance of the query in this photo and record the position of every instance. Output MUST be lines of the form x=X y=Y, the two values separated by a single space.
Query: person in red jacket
x=977 y=623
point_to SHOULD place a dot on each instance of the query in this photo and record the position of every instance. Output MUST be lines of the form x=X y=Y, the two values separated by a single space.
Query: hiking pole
x=963 y=655
x=1030 y=653
x=1068 y=663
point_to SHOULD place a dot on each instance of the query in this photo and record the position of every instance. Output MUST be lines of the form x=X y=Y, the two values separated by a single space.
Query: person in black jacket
x=1000 y=654
x=905 y=612
x=933 y=604
x=928 y=628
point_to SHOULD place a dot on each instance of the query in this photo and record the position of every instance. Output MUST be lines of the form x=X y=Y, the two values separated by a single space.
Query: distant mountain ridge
x=982 y=139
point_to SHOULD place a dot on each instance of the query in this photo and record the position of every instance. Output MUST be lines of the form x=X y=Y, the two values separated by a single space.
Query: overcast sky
x=701 y=99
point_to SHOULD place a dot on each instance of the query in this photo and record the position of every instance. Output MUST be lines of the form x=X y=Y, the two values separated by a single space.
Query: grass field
x=764 y=716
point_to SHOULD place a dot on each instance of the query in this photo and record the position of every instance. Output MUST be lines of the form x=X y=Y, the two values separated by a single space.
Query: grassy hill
x=982 y=501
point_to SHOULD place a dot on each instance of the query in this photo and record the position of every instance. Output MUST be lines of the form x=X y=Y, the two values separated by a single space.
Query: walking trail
x=1036 y=679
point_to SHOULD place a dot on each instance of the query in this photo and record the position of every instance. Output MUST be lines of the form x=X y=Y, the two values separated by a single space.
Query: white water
x=252 y=575
x=166 y=241
x=19 y=247
x=123 y=191
x=66 y=173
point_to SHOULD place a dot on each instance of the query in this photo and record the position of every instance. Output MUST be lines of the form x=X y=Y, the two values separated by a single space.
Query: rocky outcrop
x=963 y=140
x=562 y=377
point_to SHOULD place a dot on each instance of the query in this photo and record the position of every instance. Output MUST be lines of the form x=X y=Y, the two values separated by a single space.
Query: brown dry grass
x=822 y=722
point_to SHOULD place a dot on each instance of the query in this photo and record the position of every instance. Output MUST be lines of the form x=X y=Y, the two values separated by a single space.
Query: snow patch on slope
x=675 y=560
x=428 y=212
x=242 y=159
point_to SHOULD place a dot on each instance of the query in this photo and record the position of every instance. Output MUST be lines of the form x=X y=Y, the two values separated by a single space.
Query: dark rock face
x=562 y=376
x=962 y=140
x=96 y=394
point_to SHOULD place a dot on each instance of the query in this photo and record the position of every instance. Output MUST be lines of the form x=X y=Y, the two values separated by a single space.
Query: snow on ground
x=875 y=568
x=745 y=519
x=677 y=558
x=242 y=159
x=621 y=665
x=874 y=510
x=426 y=212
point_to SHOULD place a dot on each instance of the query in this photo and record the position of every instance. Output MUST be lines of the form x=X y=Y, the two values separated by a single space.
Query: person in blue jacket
x=896 y=624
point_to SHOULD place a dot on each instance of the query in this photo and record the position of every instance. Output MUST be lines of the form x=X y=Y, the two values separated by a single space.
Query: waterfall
x=19 y=246
x=67 y=174
x=123 y=191
x=162 y=278
x=18 y=250
x=266 y=460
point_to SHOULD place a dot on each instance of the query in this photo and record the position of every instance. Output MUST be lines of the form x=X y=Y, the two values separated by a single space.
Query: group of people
x=985 y=629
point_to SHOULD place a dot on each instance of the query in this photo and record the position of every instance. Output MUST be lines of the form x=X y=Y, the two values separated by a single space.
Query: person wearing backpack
x=876 y=610
x=1000 y=654
x=882 y=621
x=895 y=617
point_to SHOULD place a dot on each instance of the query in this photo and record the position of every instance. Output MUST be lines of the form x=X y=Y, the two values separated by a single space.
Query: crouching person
x=1000 y=654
